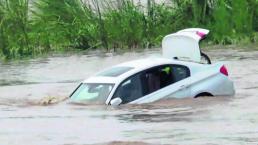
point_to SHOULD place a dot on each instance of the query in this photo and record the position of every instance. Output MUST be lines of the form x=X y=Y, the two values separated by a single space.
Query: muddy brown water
x=26 y=87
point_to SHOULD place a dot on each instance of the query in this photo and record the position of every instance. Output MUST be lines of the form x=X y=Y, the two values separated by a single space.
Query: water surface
x=25 y=86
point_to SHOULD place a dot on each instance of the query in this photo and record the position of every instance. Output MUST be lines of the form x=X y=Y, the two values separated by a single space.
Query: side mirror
x=116 y=101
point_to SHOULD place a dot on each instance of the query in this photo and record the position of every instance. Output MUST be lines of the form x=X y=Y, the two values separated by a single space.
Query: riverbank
x=239 y=47
x=105 y=53
x=31 y=28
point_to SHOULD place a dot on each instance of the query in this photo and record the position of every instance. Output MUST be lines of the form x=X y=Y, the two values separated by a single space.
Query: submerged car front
x=99 y=88
x=93 y=92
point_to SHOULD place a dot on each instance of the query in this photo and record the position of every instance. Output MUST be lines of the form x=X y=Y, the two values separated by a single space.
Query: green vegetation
x=29 y=27
x=14 y=28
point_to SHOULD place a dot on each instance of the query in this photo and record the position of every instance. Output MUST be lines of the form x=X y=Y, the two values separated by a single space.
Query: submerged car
x=178 y=74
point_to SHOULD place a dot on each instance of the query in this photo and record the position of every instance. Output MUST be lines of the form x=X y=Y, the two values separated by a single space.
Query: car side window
x=180 y=72
x=162 y=76
x=130 y=89
x=150 y=81
x=156 y=78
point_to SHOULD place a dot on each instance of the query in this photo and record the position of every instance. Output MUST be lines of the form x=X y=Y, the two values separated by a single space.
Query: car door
x=139 y=85
x=165 y=81
x=181 y=75
x=130 y=89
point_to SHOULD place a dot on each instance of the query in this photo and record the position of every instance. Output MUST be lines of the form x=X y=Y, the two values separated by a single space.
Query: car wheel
x=205 y=94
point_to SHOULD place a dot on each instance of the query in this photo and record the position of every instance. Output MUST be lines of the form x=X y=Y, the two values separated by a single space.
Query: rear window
x=115 y=71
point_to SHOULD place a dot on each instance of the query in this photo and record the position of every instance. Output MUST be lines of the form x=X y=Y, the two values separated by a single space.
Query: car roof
x=137 y=66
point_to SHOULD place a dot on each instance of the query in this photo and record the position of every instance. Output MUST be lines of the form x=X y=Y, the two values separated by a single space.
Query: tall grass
x=14 y=28
x=63 y=24
x=29 y=27
x=124 y=24
x=232 y=21
x=221 y=24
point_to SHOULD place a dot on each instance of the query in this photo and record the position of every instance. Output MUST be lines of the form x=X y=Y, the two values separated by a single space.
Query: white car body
x=184 y=44
x=194 y=79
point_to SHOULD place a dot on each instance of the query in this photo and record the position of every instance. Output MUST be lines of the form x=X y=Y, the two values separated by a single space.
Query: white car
x=178 y=74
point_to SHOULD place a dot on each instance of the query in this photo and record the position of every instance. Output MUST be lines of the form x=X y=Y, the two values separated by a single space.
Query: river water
x=33 y=109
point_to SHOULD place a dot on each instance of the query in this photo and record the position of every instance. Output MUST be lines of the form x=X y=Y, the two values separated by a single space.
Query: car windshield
x=92 y=93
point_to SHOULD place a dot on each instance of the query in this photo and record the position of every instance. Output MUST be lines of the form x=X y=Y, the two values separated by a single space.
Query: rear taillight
x=224 y=70
x=202 y=35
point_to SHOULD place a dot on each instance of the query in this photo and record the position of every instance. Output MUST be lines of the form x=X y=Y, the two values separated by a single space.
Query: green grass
x=14 y=28
x=29 y=28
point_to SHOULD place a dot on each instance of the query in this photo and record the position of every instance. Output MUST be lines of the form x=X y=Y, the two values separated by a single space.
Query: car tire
x=204 y=94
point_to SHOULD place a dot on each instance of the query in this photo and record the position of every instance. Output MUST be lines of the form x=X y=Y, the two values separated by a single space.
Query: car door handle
x=183 y=86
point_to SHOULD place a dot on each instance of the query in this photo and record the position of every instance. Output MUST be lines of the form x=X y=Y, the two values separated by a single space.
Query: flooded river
x=27 y=86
